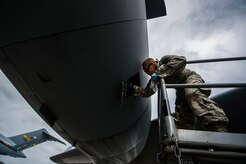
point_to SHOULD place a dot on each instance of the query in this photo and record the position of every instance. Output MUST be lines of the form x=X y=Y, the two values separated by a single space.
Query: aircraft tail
x=27 y=140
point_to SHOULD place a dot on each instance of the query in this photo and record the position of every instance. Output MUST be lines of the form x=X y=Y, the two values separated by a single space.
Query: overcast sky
x=197 y=29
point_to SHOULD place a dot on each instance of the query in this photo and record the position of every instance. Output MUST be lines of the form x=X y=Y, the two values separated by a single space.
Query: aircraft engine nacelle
x=68 y=59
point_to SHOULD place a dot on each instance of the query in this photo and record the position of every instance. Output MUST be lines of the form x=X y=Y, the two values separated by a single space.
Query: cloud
x=7 y=89
x=211 y=17
x=195 y=21
x=201 y=29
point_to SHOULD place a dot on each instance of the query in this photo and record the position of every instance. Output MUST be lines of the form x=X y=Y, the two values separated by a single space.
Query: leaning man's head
x=149 y=66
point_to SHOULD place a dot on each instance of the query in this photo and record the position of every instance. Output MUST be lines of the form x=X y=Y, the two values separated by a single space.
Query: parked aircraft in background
x=14 y=146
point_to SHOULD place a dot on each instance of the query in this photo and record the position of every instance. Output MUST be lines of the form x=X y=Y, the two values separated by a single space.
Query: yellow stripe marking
x=26 y=137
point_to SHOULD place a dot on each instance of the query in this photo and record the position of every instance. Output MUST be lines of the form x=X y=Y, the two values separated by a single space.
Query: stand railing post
x=167 y=128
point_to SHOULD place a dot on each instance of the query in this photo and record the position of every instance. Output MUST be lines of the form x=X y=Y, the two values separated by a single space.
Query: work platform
x=194 y=146
x=200 y=147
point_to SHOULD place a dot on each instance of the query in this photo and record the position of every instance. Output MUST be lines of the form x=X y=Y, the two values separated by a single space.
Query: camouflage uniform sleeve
x=148 y=91
x=170 y=65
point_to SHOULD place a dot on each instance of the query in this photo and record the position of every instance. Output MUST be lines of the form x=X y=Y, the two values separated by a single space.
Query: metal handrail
x=207 y=85
x=216 y=60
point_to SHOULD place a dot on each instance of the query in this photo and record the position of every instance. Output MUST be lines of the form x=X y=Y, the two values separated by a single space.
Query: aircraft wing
x=27 y=140
x=13 y=146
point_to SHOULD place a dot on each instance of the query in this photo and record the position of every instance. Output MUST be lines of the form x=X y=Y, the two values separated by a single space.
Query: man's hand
x=136 y=90
x=126 y=89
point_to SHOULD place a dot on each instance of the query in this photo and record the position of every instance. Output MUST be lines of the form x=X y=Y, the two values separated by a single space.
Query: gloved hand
x=154 y=77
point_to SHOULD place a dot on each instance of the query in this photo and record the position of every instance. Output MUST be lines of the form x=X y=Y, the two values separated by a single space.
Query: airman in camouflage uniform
x=193 y=107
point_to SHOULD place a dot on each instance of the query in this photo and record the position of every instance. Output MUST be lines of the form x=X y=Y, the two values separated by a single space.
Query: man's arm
x=170 y=65
x=148 y=91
